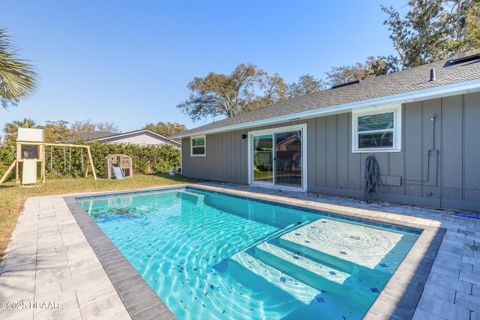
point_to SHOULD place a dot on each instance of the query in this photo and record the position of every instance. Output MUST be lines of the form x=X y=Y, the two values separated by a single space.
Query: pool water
x=210 y=255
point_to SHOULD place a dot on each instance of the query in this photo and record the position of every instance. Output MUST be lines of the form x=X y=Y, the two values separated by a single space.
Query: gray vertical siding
x=225 y=160
x=452 y=182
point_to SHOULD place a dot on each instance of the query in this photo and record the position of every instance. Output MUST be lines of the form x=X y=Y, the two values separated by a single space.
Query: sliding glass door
x=263 y=158
x=277 y=158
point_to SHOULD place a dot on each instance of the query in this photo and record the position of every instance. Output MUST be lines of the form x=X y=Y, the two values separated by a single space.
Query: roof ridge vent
x=468 y=56
x=346 y=83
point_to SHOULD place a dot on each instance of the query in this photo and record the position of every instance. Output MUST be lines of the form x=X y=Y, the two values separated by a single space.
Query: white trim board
x=406 y=97
x=251 y=134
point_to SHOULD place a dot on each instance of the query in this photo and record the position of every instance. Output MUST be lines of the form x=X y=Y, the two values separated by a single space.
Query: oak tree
x=246 y=88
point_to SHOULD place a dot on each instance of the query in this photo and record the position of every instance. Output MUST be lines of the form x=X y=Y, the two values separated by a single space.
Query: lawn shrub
x=6 y=158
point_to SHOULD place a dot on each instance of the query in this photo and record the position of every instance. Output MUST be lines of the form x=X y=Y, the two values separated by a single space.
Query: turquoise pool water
x=213 y=256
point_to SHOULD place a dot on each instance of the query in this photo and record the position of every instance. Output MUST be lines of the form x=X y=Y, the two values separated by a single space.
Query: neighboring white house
x=138 y=137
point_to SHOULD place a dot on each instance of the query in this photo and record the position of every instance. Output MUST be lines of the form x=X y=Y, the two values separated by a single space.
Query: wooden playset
x=118 y=161
x=30 y=151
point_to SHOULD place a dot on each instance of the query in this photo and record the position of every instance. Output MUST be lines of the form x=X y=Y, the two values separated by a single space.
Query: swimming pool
x=210 y=255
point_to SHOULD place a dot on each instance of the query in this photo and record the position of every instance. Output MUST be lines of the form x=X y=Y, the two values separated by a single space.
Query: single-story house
x=138 y=137
x=422 y=125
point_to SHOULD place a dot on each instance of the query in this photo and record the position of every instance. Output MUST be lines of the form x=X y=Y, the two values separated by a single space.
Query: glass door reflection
x=288 y=158
x=263 y=158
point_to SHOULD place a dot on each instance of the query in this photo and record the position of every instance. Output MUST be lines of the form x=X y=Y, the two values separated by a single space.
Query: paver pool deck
x=50 y=260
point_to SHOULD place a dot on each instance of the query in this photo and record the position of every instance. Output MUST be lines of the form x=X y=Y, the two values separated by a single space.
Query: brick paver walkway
x=50 y=261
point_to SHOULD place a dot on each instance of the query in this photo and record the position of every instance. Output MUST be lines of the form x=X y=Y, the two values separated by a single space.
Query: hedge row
x=147 y=159
x=67 y=161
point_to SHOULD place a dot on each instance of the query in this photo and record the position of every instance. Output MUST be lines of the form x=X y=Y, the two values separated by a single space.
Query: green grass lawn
x=12 y=197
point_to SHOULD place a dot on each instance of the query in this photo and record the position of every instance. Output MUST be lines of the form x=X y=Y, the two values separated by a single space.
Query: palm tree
x=11 y=127
x=17 y=78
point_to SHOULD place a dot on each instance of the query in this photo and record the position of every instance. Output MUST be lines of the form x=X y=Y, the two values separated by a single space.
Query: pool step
x=315 y=274
x=344 y=265
x=262 y=274
x=191 y=197
x=317 y=255
x=361 y=250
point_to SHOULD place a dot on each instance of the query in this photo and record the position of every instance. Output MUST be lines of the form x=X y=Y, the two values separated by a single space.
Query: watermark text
x=24 y=305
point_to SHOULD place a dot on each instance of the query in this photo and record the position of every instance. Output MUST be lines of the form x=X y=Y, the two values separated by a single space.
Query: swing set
x=31 y=150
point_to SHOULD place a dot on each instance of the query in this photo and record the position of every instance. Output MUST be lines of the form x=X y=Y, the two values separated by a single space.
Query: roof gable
x=139 y=132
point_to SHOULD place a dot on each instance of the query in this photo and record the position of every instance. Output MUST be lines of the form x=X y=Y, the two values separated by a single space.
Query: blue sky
x=129 y=62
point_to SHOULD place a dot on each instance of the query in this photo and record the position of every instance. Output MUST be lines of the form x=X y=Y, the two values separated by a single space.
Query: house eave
x=412 y=96
x=125 y=134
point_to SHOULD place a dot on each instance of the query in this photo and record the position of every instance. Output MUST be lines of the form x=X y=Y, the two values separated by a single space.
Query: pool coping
x=397 y=300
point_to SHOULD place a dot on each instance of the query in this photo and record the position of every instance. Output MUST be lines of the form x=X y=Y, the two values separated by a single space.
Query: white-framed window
x=377 y=129
x=198 y=146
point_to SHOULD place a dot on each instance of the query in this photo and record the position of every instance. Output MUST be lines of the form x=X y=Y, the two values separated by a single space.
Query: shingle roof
x=101 y=135
x=88 y=136
x=141 y=131
x=405 y=81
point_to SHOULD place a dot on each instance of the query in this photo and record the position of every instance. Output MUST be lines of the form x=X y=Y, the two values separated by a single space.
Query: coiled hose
x=371 y=175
